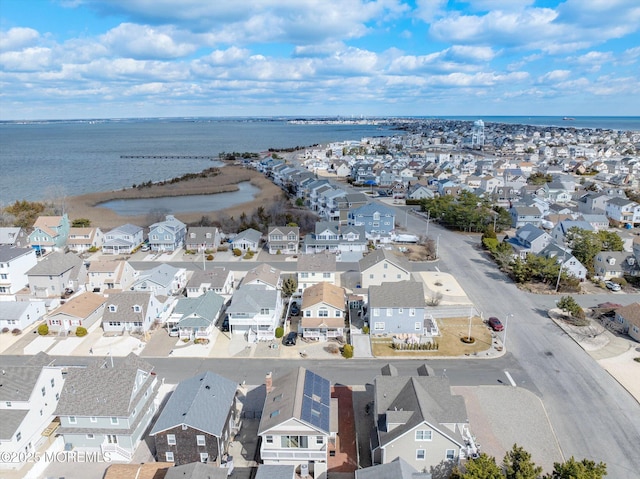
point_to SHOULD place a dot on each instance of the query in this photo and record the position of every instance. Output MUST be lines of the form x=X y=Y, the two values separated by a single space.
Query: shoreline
x=88 y=205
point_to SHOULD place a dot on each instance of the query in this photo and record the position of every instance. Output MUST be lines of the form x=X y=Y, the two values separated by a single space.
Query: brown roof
x=46 y=223
x=104 y=266
x=81 y=306
x=322 y=322
x=150 y=470
x=323 y=292
x=631 y=313
x=75 y=231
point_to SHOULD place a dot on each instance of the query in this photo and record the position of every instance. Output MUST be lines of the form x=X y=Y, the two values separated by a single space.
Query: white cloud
x=27 y=60
x=18 y=38
x=554 y=76
x=142 y=41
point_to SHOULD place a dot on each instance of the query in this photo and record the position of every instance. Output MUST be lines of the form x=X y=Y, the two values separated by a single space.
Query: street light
x=504 y=339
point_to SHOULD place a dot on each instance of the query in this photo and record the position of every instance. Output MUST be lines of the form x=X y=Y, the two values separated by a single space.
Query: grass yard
x=449 y=342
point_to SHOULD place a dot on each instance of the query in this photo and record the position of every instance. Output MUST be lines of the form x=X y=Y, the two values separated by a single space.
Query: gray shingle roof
x=199 y=312
x=103 y=391
x=196 y=470
x=396 y=469
x=203 y=402
x=401 y=294
x=10 y=420
x=17 y=382
x=124 y=303
x=276 y=471
x=216 y=277
x=317 y=262
x=263 y=274
x=252 y=298
x=249 y=235
x=162 y=274
x=55 y=264
x=9 y=253
x=378 y=255
x=126 y=229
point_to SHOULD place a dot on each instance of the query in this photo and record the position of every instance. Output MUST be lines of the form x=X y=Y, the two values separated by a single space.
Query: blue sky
x=62 y=59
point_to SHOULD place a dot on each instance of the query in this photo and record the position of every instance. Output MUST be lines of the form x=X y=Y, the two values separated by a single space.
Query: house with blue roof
x=163 y=280
x=378 y=220
x=198 y=421
x=559 y=231
x=167 y=235
x=255 y=312
x=123 y=239
x=299 y=421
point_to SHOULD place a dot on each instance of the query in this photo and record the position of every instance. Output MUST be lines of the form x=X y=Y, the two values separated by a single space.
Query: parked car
x=145 y=247
x=295 y=310
x=225 y=325
x=290 y=339
x=612 y=286
x=495 y=324
x=174 y=332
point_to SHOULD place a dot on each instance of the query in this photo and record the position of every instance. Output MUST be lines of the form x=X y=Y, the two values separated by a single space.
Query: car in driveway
x=612 y=286
x=290 y=339
x=495 y=324
x=174 y=332
x=225 y=324
x=294 y=310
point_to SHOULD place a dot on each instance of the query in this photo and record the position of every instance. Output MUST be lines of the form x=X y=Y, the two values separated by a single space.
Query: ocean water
x=39 y=161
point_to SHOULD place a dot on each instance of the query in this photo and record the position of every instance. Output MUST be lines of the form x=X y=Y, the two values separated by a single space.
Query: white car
x=612 y=286
x=174 y=332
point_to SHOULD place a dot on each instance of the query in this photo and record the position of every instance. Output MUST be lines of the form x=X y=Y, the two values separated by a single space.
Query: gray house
x=397 y=308
x=20 y=314
x=131 y=311
x=108 y=407
x=382 y=266
x=396 y=469
x=164 y=279
x=198 y=420
x=530 y=239
x=283 y=239
x=523 y=215
x=418 y=420
x=247 y=240
x=123 y=239
x=378 y=220
x=167 y=235
x=255 y=312
x=56 y=273
x=202 y=238
x=196 y=317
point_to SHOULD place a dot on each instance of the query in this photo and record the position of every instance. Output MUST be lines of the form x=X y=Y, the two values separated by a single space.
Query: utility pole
x=437 y=246
x=564 y=254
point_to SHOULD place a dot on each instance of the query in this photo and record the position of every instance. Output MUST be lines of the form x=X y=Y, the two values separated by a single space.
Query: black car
x=295 y=310
x=225 y=324
x=290 y=339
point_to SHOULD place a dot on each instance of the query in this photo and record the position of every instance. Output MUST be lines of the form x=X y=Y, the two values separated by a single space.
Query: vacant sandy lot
x=87 y=206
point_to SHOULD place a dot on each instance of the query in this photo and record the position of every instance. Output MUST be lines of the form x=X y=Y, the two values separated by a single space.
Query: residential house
x=148 y=470
x=622 y=211
x=20 y=314
x=83 y=310
x=247 y=240
x=323 y=306
x=565 y=258
x=335 y=237
x=561 y=229
x=597 y=222
x=264 y=275
x=396 y=469
x=55 y=274
x=420 y=192
x=14 y=264
x=202 y=238
x=81 y=240
x=196 y=470
x=132 y=312
x=593 y=203
x=196 y=317
x=530 y=239
x=345 y=203
x=255 y=311
x=108 y=406
x=615 y=264
x=378 y=220
x=398 y=308
x=276 y=471
x=28 y=398
x=283 y=239
x=522 y=215
x=299 y=422
x=163 y=280
x=316 y=268
x=49 y=232
x=123 y=239
x=418 y=420
x=198 y=421
x=14 y=236
x=629 y=317
x=382 y=266
x=217 y=279
x=167 y=235
x=110 y=276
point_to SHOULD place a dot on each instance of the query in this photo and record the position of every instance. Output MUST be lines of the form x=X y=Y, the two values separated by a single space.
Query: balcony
x=294 y=455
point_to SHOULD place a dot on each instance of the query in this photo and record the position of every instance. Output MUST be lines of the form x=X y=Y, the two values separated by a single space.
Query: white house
x=83 y=310
x=132 y=311
x=123 y=239
x=164 y=280
x=80 y=240
x=255 y=311
x=218 y=279
x=323 y=306
x=110 y=275
x=14 y=264
x=316 y=268
x=20 y=314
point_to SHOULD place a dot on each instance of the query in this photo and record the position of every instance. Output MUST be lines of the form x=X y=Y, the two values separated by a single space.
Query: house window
x=200 y=441
x=168 y=456
x=204 y=456
x=376 y=311
x=400 y=310
x=307 y=313
x=137 y=309
x=338 y=313
x=53 y=382
x=171 y=439
x=423 y=435
x=114 y=420
x=450 y=454
x=8 y=403
x=275 y=413
x=326 y=275
x=93 y=419
x=386 y=265
x=421 y=454
x=90 y=436
x=112 y=308
x=73 y=420
x=18 y=436
x=294 y=442
x=323 y=313
x=264 y=311
x=304 y=275
x=378 y=326
x=269 y=439
x=412 y=312
x=389 y=311
x=44 y=391
x=319 y=440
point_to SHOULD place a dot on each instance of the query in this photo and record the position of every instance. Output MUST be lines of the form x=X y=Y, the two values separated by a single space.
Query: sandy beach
x=87 y=206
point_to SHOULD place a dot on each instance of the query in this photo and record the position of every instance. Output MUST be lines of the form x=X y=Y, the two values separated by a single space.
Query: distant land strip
x=170 y=157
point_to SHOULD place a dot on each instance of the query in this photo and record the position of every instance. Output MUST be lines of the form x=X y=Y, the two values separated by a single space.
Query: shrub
x=210 y=257
x=567 y=303
x=249 y=254
x=278 y=252
x=621 y=281
x=16 y=331
x=43 y=329
x=5 y=330
x=237 y=252
x=81 y=331
x=93 y=249
x=347 y=351
x=365 y=330
x=223 y=248
x=279 y=332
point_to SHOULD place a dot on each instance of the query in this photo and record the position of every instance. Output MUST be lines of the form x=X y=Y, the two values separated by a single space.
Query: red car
x=495 y=324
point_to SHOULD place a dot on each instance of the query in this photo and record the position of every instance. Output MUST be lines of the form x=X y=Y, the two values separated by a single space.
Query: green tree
x=289 y=286
x=517 y=464
x=539 y=178
x=610 y=240
x=81 y=223
x=484 y=467
x=25 y=212
x=347 y=351
x=585 y=245
x=572 y=469
x=567 y=303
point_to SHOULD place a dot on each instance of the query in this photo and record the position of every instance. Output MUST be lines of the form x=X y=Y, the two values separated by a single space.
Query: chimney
x=268 y=382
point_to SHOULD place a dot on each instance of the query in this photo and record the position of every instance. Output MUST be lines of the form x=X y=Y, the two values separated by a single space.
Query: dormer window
x=137 y=308
x=113 y=308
